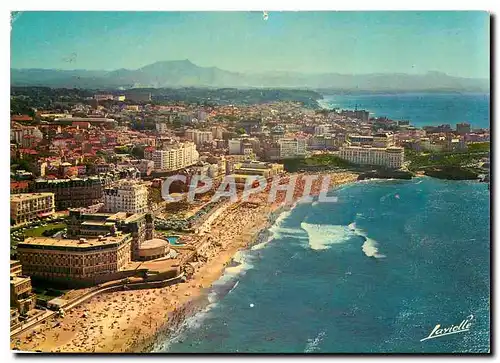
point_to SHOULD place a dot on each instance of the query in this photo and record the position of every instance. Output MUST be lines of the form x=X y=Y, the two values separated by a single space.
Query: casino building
x=98 y=248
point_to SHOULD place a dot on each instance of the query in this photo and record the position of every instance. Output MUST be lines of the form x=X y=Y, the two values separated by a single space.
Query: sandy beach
x=128 y=321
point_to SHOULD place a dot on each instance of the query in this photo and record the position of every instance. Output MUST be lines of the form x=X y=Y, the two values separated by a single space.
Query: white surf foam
x=321 y=236
x=234 y=287
x=243 y=261
x=277 y=230
x=212 y=297
x=370 y=248
x=192 y=322
x=312 y=344
x=260 y=246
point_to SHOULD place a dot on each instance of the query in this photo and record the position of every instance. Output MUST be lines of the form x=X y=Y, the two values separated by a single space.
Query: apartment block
x=291 y=148
x=174 y=156
x=126 y=196
x=26 y=208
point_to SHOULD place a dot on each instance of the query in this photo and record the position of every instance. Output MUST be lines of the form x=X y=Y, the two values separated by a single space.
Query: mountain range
x=184 y=73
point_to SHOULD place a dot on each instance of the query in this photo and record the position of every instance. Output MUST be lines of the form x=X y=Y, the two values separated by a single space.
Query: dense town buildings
x=73 y=193
x=144 y=166
x=92 y=155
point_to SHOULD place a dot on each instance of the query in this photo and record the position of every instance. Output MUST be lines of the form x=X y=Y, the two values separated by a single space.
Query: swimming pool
x=173 y=241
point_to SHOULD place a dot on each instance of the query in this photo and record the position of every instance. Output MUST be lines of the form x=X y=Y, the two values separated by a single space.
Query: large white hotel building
x=174 y=156
x=391 y=157
x=378 y=149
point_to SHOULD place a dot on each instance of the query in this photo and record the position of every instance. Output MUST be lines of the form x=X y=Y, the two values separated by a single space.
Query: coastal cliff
x=451 y=173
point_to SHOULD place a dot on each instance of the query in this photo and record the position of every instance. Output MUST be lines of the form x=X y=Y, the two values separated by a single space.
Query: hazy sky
x=456 y=43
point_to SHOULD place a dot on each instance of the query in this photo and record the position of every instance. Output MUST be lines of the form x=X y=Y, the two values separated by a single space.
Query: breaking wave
x=322 y=236
x=370 y=246
x=278 y=231
x=259 y=246
x=239 y=264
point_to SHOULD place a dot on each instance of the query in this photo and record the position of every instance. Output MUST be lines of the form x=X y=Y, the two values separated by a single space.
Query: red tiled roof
x=28 y=151
x=19 y=185
x=21 y=118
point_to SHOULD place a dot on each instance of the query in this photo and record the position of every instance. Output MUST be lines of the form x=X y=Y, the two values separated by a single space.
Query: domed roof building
x=153 y=249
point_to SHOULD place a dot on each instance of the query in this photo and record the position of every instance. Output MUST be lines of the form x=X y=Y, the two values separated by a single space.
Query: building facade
x=322 y=142
x=75 y=259
x=127 y=196
x=98 y=248
x=92 y=225
x=463 y=128
x=391 y=157
x=360 y=140
x=199 y=137
x=81 y=192
x=321 y=129
x=161 y=127
x=144 y=166
x=22 y=299
x=26 y=208
x=174 y=156
x=18 y=133
x=235 y=147
x=292 y=148
x=383 y=140
x=73 y=193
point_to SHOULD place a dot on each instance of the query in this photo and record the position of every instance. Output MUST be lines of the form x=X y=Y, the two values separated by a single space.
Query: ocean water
x=373 y=273
x=420 y=108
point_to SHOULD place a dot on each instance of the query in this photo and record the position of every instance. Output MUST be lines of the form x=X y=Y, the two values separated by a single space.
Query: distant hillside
x=186 y=74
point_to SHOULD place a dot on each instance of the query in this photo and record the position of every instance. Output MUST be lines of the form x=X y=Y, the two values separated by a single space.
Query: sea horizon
x=420 y=108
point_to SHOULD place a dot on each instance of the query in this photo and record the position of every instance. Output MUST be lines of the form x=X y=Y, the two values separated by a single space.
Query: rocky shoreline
x=386 y=174
x=451 y=173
